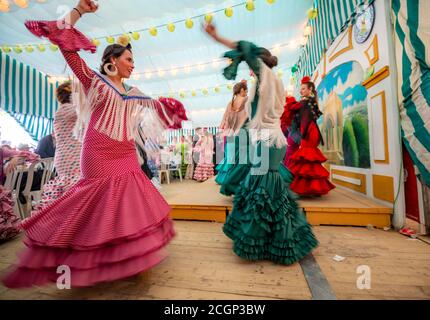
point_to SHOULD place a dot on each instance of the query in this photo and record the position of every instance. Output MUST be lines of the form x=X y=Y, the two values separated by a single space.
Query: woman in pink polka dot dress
x=113 y=223
x=67 y=151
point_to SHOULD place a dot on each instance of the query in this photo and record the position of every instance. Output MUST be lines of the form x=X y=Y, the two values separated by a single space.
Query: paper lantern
x=123 y=40
x=171 y=27
x=21 y=3
x=153 y=31
x=110 y=39
x=312 y=13
x=270 y=1
x=29 y=49
x=189 y=23
x=193 y=93
x=4 y=7
x=205 y=92
x=208 y=17
x=53 y=47
x=250 y=6
x=41 y=47
x=304 y=41
x=217 y=89
x=182 y=95
x=135 y=35
x=228 y=12
x=96 y=42
x=17 y=49
x=229 y=86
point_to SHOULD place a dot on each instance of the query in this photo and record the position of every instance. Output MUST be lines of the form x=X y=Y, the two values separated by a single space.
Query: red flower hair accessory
x=306 y=79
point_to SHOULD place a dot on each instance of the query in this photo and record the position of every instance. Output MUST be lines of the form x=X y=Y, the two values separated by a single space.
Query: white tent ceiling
x=268 y=25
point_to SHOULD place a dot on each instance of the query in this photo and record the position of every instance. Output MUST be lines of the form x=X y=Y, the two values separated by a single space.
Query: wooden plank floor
x=192 y=200
x=202 y=265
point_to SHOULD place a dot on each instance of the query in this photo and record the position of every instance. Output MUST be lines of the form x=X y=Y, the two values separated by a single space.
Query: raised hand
x=210 y=29
x=87 y=6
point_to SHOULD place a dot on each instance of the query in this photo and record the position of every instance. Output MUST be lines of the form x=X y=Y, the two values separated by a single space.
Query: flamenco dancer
x=113 y=223
x=205 y=168
x=265 y=222
x=310 y=177
x=68 y=148
x=290 y=125
x=230 y=171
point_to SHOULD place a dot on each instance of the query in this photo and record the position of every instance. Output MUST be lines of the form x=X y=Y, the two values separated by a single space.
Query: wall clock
x=364 y=24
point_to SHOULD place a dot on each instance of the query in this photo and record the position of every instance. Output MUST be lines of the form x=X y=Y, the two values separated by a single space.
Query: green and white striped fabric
x=27 y=95
x=37 y=127
x=334 y=16
x=186 y=132
x=412 y=40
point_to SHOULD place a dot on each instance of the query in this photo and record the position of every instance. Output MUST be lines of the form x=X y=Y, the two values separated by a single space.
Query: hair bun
x=274 y=61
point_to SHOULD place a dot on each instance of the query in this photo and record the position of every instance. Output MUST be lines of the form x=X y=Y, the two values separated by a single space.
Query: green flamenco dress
x=182 y=149
x=235 y=165
x=266 y=222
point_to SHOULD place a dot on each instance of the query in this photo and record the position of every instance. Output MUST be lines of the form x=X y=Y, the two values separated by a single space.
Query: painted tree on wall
x=345 y=123
x=349 y=145
x=360 y=125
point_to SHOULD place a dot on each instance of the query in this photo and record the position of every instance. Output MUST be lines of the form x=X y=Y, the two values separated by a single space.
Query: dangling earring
x=107 y=68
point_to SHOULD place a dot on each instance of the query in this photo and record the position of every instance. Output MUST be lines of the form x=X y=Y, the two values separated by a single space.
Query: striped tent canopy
x=412 y=40
x=333 y=18
x=187 y=132
x=28 y=95
x=37 y=127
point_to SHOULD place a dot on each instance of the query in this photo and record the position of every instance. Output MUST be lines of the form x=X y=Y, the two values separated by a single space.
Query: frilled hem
x=67 y=37
x=268 y=225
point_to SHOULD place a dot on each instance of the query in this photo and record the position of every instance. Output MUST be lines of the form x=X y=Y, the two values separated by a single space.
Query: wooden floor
x=202 y=265
x=191 y=200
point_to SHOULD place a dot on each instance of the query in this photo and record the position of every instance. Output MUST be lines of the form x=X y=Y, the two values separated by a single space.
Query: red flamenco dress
x=290 y=126
x=310 y=177
x=113 y=223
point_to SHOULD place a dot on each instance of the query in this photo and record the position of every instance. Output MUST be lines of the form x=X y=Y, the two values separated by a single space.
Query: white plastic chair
x=9 y=185
x=164 y=166
x=25 y=209
x=48 y=169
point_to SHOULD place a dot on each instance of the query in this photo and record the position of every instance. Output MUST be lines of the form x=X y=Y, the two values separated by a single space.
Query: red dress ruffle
x=310 y=177
x=66 y=37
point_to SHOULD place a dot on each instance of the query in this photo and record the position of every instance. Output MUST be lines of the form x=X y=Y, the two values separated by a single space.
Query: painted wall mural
x=345 y=123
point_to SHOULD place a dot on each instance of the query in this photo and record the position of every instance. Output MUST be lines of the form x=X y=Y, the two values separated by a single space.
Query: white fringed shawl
x=130 y=117
x=265 y=126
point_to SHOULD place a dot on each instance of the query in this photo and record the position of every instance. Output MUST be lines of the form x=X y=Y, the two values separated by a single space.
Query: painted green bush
x=349 y=145
x=361 y=133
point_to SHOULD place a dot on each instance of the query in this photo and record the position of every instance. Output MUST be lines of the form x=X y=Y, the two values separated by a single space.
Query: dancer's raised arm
x=69 y=39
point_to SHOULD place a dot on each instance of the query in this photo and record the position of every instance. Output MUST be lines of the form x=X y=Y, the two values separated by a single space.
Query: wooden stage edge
x=191 y=200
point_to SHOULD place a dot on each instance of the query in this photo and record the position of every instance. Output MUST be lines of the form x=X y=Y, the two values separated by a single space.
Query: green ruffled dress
x=266 y=222
x=235 y=165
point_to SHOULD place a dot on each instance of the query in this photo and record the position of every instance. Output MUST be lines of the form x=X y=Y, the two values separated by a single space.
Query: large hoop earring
x=107 y=68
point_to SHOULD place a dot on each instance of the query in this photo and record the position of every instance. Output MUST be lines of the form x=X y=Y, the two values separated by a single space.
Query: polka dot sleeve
x=70 y=41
